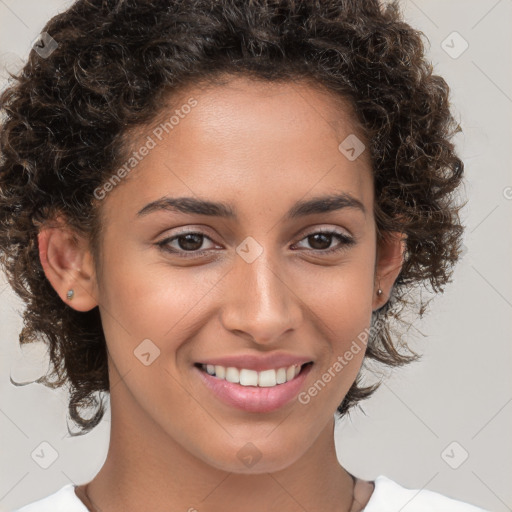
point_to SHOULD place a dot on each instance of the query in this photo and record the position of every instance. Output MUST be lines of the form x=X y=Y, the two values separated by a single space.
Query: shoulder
x=389 y=496
x=63 y=500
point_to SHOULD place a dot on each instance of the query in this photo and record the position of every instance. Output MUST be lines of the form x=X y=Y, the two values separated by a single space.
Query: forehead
x=250 y=143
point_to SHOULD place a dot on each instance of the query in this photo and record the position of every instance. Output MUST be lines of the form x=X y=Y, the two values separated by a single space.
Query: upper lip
x=258 y=362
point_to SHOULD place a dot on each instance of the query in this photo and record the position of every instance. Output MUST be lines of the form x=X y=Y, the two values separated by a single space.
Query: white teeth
x=267 y=378
x=281 y=375
x=232 y=374
x=246 y=377
x=220 y=371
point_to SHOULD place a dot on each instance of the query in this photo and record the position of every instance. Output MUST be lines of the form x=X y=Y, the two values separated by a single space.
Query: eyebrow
x=302 y=208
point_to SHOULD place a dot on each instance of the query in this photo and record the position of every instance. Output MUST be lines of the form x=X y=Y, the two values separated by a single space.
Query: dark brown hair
x=66 y=117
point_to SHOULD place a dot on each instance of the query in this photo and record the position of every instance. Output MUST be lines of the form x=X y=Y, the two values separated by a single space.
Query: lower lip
x=255 y=398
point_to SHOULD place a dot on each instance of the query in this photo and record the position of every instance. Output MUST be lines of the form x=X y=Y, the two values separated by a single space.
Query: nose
x=259 y=303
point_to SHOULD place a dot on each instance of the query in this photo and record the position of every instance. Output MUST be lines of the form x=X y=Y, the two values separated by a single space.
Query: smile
x=242 y=388
x=246 y=377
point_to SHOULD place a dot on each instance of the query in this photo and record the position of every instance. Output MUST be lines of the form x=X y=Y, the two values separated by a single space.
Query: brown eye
x=189 y=242
x=320 y=241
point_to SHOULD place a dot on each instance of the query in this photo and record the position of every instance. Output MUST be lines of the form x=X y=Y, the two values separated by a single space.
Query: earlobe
x=390 y=258
x=68 y=266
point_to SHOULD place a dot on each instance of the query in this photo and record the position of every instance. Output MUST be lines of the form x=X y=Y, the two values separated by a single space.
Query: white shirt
x=388 y=496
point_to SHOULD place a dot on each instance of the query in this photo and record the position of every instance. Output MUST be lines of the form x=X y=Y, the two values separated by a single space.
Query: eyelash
x=345 y=242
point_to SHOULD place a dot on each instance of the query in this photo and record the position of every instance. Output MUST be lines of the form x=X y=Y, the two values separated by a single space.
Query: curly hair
x=67 y=119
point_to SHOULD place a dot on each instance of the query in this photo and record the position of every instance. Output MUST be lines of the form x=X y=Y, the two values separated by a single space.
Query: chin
x=263 y=455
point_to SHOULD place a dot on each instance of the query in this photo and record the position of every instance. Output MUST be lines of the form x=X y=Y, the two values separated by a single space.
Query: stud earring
x=379 y=292
x=70 y=294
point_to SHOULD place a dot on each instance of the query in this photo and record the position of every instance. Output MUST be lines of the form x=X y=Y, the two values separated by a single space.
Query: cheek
x=341 y=296
x=153 y=300
x=150 y=313
x=146 y=313
x=341 y=302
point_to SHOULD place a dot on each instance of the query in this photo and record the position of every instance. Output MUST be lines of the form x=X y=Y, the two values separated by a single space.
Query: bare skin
x=174 y=444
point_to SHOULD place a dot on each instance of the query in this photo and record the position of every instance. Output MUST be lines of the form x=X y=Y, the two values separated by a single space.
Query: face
x=272 y=281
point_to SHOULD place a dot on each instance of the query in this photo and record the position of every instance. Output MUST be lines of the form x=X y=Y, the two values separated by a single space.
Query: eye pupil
x=188 y=237
x=322 y=236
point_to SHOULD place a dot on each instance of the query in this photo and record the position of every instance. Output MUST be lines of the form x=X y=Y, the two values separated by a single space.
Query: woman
x=213 y=210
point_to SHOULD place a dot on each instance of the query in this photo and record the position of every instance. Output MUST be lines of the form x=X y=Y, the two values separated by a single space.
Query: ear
x=390 y=258
x=68 y=264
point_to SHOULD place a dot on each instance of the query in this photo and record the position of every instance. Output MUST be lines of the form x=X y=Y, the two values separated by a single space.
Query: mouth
x=253 y=391
x=246 y=377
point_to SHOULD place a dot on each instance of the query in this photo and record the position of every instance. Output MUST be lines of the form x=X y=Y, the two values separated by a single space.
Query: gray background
x=460 y=392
